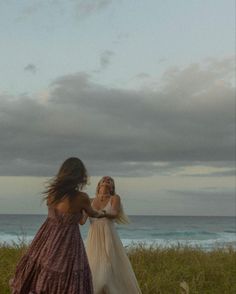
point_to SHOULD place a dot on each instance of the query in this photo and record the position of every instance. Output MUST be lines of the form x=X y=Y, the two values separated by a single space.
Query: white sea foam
x=207 y=233
x=204 y=244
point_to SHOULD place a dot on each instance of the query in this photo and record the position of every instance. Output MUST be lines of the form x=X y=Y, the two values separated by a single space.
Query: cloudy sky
x=143 y=91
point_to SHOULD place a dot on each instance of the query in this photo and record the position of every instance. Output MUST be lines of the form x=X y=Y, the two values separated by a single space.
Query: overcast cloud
x=88 y=7
x=79 y=8
x=105 y=58
x=188 y=118
x=30 y=68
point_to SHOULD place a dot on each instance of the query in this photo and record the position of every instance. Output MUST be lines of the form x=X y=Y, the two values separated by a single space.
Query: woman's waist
x=101 y=220
x=62 y=221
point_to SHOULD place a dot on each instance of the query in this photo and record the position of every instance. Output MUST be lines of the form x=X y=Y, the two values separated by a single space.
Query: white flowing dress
x=111 y=269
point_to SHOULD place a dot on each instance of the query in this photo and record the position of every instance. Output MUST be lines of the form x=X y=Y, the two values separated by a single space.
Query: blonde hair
x=112 y=189
x=122 y=218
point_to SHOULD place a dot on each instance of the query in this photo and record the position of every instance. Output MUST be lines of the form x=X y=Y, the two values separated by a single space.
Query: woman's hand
x=102 y=214
x=115 y=207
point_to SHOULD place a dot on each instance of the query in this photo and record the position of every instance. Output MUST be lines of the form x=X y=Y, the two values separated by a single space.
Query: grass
x=165 y=270
x=177 y=269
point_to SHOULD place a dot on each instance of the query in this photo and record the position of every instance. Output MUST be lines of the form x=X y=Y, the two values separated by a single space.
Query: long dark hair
x=71 y=178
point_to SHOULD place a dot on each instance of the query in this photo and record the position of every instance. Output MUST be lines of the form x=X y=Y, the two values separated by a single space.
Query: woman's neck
x=103 y=196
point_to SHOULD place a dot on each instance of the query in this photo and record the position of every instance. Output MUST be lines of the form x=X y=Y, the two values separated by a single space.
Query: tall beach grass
x=169 y=270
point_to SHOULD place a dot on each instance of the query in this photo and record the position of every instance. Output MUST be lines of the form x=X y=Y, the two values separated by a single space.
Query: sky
x=143 y=91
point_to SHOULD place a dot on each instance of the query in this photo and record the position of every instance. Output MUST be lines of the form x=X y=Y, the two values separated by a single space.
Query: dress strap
x=92 y=201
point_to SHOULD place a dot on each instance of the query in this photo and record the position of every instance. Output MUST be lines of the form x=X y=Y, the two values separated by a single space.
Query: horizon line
x=43 y=214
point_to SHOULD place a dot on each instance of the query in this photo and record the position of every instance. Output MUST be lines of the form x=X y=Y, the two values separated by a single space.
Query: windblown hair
x=112 y=189
x=71 y=178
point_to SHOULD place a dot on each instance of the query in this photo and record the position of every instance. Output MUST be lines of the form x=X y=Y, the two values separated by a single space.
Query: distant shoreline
x=161 y=230
x=146 y=215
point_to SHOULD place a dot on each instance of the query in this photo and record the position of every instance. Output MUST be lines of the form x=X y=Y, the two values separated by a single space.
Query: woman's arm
x=116 y=205
x=85 y=215
x=84 y=218
x=89 y=210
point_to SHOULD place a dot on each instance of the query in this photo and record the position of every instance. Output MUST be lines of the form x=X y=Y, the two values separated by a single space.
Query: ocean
x=205 y=232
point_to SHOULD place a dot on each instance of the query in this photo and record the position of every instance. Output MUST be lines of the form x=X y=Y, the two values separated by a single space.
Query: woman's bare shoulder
x=116 y=196
x=82 y=196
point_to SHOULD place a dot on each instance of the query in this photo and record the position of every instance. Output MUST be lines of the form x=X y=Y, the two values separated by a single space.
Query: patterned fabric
x=56 y=261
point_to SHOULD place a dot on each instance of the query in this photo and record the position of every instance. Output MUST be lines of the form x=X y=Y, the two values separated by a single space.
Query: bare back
x=74 y=205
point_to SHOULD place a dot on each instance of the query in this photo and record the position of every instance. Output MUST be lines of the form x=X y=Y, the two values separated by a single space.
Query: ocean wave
x=13 y=238
x=206 y=245
x=182 y=233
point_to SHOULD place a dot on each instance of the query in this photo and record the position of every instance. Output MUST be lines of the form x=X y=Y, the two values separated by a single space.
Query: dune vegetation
x=177 y=269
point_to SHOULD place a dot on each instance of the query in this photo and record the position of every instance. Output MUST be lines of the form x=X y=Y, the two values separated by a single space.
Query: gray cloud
x=189 y=120
x=88 y=7
x=105 y=58
x=33 y=8
x=230 y=172
x=29 y=10
x=209 y=201
x=162 y=60
x=121 y=37
x=214 y=192
x=80 y=8
x=142 y=75
x=30 y=68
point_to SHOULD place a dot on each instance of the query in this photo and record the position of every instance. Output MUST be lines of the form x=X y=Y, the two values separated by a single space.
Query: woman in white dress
x=111 y=269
